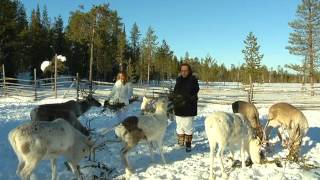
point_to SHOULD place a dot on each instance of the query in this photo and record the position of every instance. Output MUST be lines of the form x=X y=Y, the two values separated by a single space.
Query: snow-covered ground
x=180 y=165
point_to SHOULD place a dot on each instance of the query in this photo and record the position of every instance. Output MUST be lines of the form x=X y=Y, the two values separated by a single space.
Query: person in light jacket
x=121 y=92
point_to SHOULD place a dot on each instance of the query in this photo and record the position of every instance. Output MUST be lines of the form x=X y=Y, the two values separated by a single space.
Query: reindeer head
x=161 y=104
x=86 y=147
x=147 y=104
x=91 y=101
x=254 y=150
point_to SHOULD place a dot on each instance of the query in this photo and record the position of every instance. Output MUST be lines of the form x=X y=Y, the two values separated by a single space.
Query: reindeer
x=233 y=130
x=70 y=111
x=39 y=140
x=250 y=112
x=147 y=106
x=290 y=118
x=150 y=127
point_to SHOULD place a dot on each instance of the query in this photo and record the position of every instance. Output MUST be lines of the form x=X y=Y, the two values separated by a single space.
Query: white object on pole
x=44 y=65
x=61 y=58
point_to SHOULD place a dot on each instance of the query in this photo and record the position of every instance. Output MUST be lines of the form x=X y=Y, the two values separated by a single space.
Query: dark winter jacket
x=186 y=96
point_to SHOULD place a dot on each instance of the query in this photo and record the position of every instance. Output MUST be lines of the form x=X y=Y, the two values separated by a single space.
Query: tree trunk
x=55 y=76
x=4 y=80
x=250 y=93
x=149 y=63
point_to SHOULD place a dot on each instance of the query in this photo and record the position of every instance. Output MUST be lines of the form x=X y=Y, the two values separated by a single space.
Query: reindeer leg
x=28 y=168
x=283 y=141
x=212 y=153
x=243 y=163
x=161 y=151
x=150 y=145
x=53 y=169
x=75 y=169
x=20 y=167
x=220 y=154
x=124 y=157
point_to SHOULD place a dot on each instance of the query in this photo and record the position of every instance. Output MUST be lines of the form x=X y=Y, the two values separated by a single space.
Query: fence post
x=78 y=86
x=55 y=76
x=35 y=83
x=250 y=92
x=4 y=80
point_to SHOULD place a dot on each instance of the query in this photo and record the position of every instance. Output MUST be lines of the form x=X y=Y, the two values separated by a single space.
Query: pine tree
x=58 y=36
x=100 y=28
x=13 y=26
x=45 y=21
x=38 y=43
x=135 y=50
x=122 y=45
x=252 y=55
x=149 y=47
x=162 y=60
x=305 y=39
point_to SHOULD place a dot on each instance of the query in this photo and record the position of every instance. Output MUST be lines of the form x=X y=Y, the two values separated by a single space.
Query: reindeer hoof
x=225 y=175
x=129 y=172
x=212 y=177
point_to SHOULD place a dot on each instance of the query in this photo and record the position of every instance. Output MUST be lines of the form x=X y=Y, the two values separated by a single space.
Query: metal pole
x=4 y=80
x=55 y=75
x=35 y=83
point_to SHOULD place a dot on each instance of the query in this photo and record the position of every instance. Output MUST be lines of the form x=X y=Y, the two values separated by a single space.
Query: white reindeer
x=227 y=129
x=150 y=127
x=40 y=140
x=147 y=105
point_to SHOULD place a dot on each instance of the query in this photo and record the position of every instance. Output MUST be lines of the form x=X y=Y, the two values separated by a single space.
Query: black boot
x=188 y=139
x=180 y=138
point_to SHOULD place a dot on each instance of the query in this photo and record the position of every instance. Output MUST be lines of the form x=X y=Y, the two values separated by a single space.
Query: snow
x=44 y=65
x=61 y=58
x=180 y=165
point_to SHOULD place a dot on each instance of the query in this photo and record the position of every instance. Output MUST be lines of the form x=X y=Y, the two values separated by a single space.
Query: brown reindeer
x=290 y=118
x=250 y=112
x=70 y=111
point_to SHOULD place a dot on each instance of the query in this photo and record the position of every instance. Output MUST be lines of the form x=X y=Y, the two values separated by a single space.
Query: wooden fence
x=74 y=87
x=66 y=87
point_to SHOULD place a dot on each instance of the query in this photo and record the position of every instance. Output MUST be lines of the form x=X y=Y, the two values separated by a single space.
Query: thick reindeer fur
x=146 y=105
x=250 y=112
x=232 y=130
x=69 y=111
x=288 y=117
x=150 y=127
x=40 y=140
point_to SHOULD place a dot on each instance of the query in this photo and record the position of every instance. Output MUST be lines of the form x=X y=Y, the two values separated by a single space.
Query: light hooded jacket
x=121 y=93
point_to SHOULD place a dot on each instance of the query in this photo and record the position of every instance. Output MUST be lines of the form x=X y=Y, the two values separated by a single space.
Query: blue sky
x=202 y=27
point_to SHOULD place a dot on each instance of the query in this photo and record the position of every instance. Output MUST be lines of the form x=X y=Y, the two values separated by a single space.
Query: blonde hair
x=125 y=77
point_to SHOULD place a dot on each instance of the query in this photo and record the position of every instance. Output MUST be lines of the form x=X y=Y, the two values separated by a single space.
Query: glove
x=179 y=101
x=193 y=98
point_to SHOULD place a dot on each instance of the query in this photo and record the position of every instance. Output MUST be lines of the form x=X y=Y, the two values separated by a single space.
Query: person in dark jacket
x=185 y=98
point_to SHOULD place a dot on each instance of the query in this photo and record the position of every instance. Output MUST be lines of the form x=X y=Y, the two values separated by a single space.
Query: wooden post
x=55 y=76
x=251 y=90
x=78 y=86
x=4 y=80
x=35 y=83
